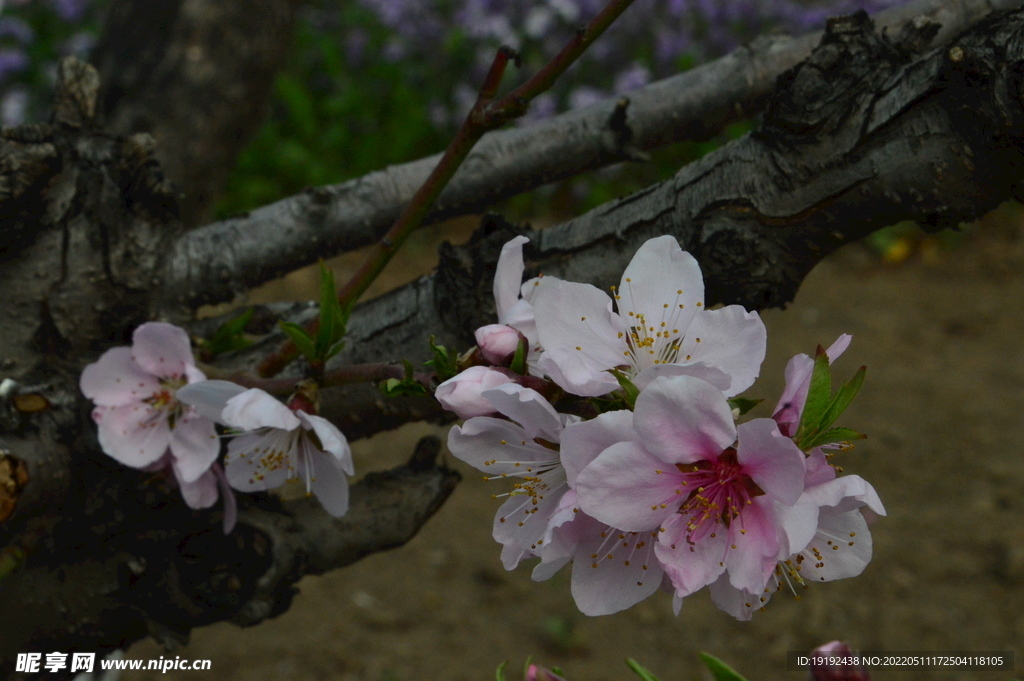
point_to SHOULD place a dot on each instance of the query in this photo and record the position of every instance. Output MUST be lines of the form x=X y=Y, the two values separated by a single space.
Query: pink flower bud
x=838 y=670
x=535 y=673
x=462 y=393
x=497 y=342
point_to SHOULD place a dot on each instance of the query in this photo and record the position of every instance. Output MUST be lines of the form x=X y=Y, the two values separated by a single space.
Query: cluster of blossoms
x=659 y=488
x=155 y=410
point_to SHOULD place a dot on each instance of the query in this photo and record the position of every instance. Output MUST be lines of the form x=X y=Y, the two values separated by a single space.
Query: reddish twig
x=486 y=115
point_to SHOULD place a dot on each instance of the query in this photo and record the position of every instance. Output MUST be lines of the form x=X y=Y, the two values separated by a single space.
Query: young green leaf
x=519 y=360
x=628 y=388
x=831 y=437
x=500 y=674
x=819 y=395
x=744 y=404
x=444 y=362
x=720 y=670
x=639 y=670
x=332 y=318
x=302 y=341
x=842 y=399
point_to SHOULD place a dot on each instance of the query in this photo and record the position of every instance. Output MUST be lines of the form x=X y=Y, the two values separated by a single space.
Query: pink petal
x=508 y=275
x=200 y=493
x=740 y=604
x=328 y=482
x=230 y=503
x=798 y=380
x=846 y=493
x=209 y=397
x=520 y=523
x=116 y=380
x=497 y=342
x=162 y=349
x=691 y=567
x=771 y=460
x=521 y=318
x=528 y=408
x=576 y=373
x=247 y=467
x=652 y=283
x=632 y=573
x=463 y=393
x=754 y=547
x=134 y=434
x=331 y=438
x=798 y=522
x=730 y=338
x=255 y=408
x=194 y=445
x=582 y=442
x=709 y=374
x=683 y=419
x=629 y=488
x=818 y=469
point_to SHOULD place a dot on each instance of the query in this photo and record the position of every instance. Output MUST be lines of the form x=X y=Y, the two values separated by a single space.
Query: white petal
x=255 y=408
x=841 y=548
x=200 y=493
x=508 y=275
x=730 y=338
x=261 y=460
x=528 y=408
x=520 y=523
x=629 y=488
x=663 y=283
x=331 y=438
x=497 y=447
x=116 y=379
x=682 y=419
x=604 y=584
x=194 y=445
x=584 y=441
x=134 y=434
x=162 y=349
x=328 y=482
x=209 y=397
x=709 y=374
x=771 y=459
x=738 y=603
x=576 y=373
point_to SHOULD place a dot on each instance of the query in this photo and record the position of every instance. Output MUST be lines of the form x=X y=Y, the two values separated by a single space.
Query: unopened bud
x=836 y=662
x=305 y=398
x=535 y=673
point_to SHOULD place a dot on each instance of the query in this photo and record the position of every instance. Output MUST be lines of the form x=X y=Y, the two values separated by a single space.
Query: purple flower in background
x=70 y=10
x=17 y=29
x=12 y=61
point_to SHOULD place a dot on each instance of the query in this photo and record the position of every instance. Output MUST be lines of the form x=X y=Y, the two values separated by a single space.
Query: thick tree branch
x=219 y=261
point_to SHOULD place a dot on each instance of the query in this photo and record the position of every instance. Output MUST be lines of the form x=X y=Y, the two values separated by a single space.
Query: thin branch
x=486 y=115
x=219 y=261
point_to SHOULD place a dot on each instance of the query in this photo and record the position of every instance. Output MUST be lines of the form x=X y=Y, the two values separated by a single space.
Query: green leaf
x=332 y=318
x=720 y=670
x=842 y=399
x=500 y=674
x=519 y=360
x=630 y=390
x=819 y=395
x=744 y=404
x=335 y=349
x=444 y=362
x=394 y=387
x=302 y=341
x=230 y=335
x=639 y=670
x=831 y=437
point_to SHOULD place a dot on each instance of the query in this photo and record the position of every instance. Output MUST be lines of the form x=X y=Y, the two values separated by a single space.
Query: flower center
x=720 y=492
x=164 y=402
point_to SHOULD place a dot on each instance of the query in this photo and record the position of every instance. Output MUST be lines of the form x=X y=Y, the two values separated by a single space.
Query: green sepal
x=832 y=436
x=302 y=341
x=444 y=363
x=499 y=675
x=230 y=335
x=629 y=390
x=639 y=670
x=720 y=670
x=332 y=319
x=819 y=395
x=744 y=404
x=519 y=359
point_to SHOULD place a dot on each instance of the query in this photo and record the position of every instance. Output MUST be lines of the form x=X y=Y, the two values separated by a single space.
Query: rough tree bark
x=864 y=133
x=197 y=75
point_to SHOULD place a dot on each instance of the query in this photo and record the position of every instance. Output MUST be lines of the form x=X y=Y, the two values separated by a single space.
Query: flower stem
x=486 y=115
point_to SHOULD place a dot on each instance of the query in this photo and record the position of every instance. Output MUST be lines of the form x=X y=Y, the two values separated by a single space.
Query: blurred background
x=938 y=320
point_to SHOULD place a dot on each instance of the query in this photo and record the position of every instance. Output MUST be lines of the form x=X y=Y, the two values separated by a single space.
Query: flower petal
x=162 y=349
x=209 y=397
x=255 y=408
x=626 y=487
x=528 y=408
x=115 y=379
x=622 y=574
x=508 y=275
x=462 y=393
x=331 y=438
x=709 y=374
x=194 y=445
x=663 y=283
x=738 y=603
x=730 y=338
x=327 y=481
x=134 y=434
x=846 y=493
x=200 y=493
x=682 y=419
x=841 y=547
x=771 y=460
x=497 y=446
x=260 y=461
x=754 y=547
x=521 y=521
x=691 y=567
x=582 y=442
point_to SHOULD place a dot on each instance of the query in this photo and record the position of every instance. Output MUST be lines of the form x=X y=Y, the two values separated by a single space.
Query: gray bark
x=217 y=262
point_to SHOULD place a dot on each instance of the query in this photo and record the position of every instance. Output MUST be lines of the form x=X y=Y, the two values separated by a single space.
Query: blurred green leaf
x=229 y=336
x=720 y=670
x=302 y=341
x=639 y=670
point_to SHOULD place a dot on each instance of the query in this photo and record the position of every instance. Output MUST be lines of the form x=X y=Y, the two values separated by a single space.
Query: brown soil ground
x=941 y=334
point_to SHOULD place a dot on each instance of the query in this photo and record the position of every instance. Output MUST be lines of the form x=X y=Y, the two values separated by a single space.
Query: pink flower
x=498 y=343
x=463 y=393
x=836 y=545
x=535 y=673
x=524 y=448
x=661 y=328
x=277 y=444
x=798 y=381
x=836 y=650
x=712 y=491
x=138 y=413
